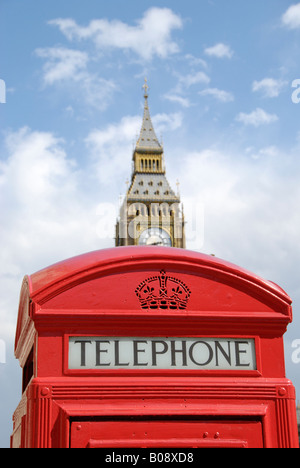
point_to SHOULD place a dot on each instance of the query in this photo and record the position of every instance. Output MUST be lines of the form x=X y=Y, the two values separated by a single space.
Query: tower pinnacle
x=147 y=140
x=146 y=88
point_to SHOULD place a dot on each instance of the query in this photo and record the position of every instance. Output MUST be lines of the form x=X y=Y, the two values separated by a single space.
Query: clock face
x=155 y=236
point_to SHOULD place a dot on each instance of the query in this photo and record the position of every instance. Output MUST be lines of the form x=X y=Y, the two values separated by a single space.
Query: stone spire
x=148 y=141
x=151 y=212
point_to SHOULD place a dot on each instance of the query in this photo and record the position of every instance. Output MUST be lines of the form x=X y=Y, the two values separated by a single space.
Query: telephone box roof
x=109 y=259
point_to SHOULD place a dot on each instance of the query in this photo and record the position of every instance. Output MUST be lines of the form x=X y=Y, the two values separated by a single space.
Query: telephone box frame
x=225 y=301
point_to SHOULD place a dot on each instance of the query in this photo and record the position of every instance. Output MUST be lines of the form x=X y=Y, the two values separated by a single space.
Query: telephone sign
x=161 y=353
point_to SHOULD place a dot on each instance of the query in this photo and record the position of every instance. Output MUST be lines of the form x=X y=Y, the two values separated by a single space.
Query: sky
x=224 y=97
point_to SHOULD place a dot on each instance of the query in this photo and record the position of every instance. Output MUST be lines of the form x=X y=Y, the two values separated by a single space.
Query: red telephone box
x=152 y=347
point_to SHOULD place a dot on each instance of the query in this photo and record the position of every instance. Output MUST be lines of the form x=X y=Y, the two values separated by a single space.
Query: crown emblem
x=163 y=292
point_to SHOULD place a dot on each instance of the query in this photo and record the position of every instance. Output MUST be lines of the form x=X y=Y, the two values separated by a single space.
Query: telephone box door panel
x=166 y=433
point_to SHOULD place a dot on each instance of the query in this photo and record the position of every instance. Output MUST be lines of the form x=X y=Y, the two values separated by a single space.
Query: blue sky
x=221 y=77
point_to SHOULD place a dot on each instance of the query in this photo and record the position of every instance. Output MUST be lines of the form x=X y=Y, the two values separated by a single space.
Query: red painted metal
x=176 y=433
x=104 y=294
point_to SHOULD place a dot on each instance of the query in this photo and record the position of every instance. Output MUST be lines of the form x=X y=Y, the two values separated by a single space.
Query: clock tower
x=151 y=213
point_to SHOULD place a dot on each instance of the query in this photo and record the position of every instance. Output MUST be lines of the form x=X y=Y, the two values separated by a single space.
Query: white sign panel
x=161 y=353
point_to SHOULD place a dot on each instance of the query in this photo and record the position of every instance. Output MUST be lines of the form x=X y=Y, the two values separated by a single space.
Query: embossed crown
x=163 y=292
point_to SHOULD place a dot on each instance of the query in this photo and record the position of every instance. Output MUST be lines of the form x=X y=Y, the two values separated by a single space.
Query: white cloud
x=95 y=91
x=291 y=17
x=151 y=36
x=35 y=160
x=37 y=184
x=62 y=64
x=111 y=145
x=270 y=87
x=268 y=151
x=250 y=208
x=193 y=79
x=173 y=97
x=167 y=122
x=42 y=199
x=113 y=135
x=257 y=118
x=219 y=94
x=195 y=61
x=69 y=67
x=220 y=51
x=178 y=94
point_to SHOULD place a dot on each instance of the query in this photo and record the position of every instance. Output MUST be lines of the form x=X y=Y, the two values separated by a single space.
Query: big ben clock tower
x=151 y=213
